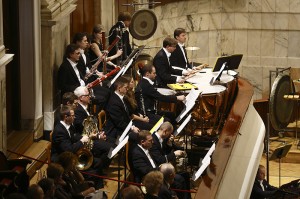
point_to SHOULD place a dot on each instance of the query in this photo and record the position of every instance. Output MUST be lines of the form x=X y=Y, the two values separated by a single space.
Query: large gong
x=281 y=110
x=143 y=24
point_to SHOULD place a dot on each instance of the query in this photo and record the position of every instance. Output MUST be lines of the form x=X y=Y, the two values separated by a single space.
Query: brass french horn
x=85 y=156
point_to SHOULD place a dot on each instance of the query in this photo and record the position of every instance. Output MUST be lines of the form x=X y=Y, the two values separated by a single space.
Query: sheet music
x=189 y=103
x=197 y=174
x=219 y=74
x=183 y=125
x=157 y=125
x=116 y=77
x=125 y=132
x=210 y=151
x=127 y=66
x=112 y=152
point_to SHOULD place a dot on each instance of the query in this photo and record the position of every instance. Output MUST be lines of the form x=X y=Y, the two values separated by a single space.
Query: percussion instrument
x=142 y=60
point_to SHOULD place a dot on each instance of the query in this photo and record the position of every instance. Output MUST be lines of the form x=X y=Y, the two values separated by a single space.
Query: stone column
x=55 y=29
x=4 y=60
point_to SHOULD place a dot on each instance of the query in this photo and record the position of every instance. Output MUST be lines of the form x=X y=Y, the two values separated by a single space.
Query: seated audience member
x=261 y=188
x=118 y=113
x=74 y=179
x=139 y=117
x=147 y=89
x=168 y=172
x=165 y=72
x=153 y=182
x=141 y=160
x=55 y=171
x=131 y=192
x=35 y=192
x=47 y=184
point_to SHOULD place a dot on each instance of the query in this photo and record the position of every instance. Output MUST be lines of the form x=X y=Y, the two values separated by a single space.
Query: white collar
x=149 y=80
x=159 y=138
x=81 y=51
x=181 y=45
x=167 y=52
x=120 y=96
x=73 y=64
x=67 y=126
x=146 y=151
x=83 y=106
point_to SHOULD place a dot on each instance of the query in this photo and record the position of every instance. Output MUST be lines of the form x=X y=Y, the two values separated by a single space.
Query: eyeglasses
x=88 y=95
x=71 y=115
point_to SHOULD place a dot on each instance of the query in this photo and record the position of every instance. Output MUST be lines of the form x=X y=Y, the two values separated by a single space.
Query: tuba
x=85 y=156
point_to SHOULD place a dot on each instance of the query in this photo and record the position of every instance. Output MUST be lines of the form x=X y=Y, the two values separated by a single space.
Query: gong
x=280 y=109
x=143 y=24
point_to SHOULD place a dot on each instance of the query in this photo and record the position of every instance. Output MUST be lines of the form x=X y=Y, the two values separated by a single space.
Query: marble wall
x=266 y=32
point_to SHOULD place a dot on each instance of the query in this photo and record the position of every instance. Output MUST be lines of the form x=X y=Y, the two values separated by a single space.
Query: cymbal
x=192 y=48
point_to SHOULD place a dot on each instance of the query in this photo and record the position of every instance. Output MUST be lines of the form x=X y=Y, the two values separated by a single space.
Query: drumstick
x=189 y=76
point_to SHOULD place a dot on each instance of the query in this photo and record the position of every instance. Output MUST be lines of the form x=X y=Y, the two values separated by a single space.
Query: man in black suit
x=64 y=136
x=163 y=66
x=261 y=188
x=121 y=29
x=101 y=146
x=118 y=113
x=151 y=95
x=141 y=161
x=164 y=149
x=179 y=56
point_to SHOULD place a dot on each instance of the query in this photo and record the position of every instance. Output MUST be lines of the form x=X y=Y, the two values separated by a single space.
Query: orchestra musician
x=179 y=56
x=95 y=51
x=121 y=29
x=117 y=111
x=165 y=72
x=261 y=188
x=151 y=95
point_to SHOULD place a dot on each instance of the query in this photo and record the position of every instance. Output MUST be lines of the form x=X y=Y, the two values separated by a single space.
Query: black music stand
x=280 y=153
x=232 y=62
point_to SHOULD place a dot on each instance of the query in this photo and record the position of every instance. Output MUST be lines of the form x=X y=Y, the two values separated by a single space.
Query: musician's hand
x=102 y=135
x=186 y=72
x=119 y=52
x=180 y=98
x=178 y=153
x=84 y=139
x=135 y=129
x=145 y=119
x=100 y=74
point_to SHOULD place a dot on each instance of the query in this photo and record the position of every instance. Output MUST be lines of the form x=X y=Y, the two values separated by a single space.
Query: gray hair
x=81 y=90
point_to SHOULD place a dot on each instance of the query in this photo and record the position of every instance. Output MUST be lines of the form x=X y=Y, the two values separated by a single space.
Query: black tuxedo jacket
x=165 y=192
x=258 y=193
x=125 y=41
x=150 y=95
x=80 y=116
x=161 y=154
x=164 y=70
x=177 y=58
x=67 y=80
x=61 y=140
x=140 y=164
x=117 y=116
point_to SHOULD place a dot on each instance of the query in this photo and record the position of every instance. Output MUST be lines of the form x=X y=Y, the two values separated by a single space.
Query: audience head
x=170 y=44
x=165 y=130
x=81 y=39
x=131 y=192
x=168 y=172
x=125 y=17
x=47 y=184
x=35 y=192
x=55 y=171
x=148 y=71
x=83 y=95
x=121 y=85
x=261 y=172
x=67 y=114
x=73 y=52
x=144 y=138
x=180 y=35
x=153 y=182
x=67 y=160
x=69 y=98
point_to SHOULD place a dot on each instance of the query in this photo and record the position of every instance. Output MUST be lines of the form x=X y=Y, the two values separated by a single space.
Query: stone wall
x=266 y=32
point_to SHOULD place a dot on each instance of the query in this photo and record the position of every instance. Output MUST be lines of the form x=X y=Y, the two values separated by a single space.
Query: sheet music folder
x=280 y=152
x=233 y=62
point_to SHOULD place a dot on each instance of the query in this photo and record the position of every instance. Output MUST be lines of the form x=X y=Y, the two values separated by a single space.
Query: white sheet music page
x=125 y=132
x=198 y=173
x=127 y=66
x=189 y=103
x=184 y=123
x=208 y=154
x=116 y=77
x=112 y=152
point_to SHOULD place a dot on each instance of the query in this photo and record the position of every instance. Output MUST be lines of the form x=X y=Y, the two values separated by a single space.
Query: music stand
x=280 y=153
x=232 y=62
